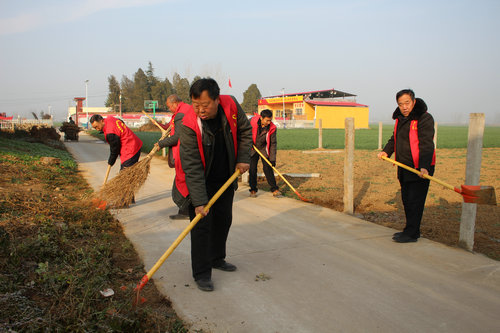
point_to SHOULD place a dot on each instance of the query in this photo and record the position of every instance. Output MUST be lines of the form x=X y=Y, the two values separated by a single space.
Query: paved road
x=319 y=270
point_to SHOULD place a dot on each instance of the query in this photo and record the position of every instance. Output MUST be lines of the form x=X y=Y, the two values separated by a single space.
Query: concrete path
x=304 y=268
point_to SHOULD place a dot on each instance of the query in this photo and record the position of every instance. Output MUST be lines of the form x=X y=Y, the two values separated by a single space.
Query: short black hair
x=96 y=117
x=405 y=92
x=208 y=84
x=266 y=113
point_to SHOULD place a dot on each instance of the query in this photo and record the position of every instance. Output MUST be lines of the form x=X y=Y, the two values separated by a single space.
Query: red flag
x=230 y=85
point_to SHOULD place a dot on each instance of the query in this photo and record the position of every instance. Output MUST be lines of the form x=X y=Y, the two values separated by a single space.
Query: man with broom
x=122 y=141
x=215 y=140
x=178 y=108
x=412 y=143
x=264 y=139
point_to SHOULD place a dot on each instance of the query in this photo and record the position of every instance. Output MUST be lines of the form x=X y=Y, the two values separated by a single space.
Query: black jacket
x=172 y=140
x=425 y=137
x=190 y=156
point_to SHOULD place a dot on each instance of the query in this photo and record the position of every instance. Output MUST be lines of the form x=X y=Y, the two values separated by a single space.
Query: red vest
x=182 y=108
x=415 y=150
x=130 y=143
x=255 y=126
x=192 y=121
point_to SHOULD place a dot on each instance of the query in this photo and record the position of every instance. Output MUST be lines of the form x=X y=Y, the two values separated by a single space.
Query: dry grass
x=119 y=191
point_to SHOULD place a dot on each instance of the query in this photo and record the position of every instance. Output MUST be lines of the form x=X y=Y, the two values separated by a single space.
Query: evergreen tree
x=196 y=78
x=141 y=92
x=114 y=92
x=127 y=87
x=160 y=91
x=251 y=99
x=181 y=87
x=152 y=80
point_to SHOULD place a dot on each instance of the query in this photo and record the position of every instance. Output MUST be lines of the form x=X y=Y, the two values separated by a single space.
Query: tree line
x=146 y=86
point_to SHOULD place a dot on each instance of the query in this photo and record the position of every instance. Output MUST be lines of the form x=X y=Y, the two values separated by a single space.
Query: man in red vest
x=122 y=141
x=179 y=109
x=215 y=140
x=264 y=138
x=413 y=145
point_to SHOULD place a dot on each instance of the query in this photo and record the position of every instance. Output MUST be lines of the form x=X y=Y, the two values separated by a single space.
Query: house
x=304 y=109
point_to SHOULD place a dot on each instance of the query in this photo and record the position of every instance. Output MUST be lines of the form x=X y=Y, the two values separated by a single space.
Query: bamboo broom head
x=119 y=191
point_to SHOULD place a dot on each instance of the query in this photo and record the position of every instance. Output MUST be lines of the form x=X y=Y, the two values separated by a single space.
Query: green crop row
x=306 y=139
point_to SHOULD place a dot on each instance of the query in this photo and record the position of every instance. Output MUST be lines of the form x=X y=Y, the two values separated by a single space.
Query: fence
x=12 y=124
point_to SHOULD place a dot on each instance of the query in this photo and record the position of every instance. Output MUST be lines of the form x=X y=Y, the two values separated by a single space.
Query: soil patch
x=378 y=196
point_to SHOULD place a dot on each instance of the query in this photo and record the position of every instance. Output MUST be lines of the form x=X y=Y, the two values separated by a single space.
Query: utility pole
x=120 y=103
x=87 y=102
x=284 y=113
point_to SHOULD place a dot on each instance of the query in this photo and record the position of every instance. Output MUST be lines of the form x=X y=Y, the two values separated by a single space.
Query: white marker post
x=349 y=167
x=472 y=175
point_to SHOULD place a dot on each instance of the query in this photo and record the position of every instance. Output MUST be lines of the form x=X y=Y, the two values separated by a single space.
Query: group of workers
x=212 y=138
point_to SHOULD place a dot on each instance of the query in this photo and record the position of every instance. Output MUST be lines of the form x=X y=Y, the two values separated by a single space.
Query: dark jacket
x=264 y=138
x=425 y=138
x=174 y=138
x=191 y=161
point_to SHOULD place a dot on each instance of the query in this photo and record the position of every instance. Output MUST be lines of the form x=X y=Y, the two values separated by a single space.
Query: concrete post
x=320 y=139
x=472 y=175
x=435 y=139
x=380 y=135
x=349 y=166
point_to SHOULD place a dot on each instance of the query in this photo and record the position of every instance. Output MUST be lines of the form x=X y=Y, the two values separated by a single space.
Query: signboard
x=279 y=100
x=150 y=105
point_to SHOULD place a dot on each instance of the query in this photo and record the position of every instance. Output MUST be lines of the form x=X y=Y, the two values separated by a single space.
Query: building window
x=298 y=112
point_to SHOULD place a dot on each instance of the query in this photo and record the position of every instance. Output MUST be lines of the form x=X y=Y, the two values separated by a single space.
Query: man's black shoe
x=404 y=239
x=179 y=217
x=226 y=267
x=205 y=284
x=397 y=234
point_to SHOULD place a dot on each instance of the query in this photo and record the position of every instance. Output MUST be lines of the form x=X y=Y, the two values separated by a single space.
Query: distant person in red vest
x=413 y=145
x=215 y=140
x=122 y=141
x=179 y=109
x=264 y=138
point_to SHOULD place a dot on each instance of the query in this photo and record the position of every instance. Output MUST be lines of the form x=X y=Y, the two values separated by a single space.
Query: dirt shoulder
x=57 y=252
x=378 y=196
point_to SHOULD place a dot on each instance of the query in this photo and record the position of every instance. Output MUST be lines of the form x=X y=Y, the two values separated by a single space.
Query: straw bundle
x=119 y=191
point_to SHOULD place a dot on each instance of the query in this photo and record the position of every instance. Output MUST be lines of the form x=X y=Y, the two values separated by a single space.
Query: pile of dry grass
x=119 y=191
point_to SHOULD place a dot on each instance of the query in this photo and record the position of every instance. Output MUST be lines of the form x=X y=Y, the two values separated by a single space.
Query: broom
x=179 y=239
x=119 y=191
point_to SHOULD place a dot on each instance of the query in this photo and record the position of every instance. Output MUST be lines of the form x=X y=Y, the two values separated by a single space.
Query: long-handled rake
x=279 y=173
x=179 y=239
x=484 y=195
x=119 y=191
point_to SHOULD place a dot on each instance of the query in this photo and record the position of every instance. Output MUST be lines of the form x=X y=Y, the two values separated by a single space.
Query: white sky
x=447 y=51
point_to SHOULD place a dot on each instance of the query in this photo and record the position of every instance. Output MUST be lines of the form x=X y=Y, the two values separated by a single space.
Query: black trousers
x=268 y=171
x=414 y=194
x=131 y=161
x=208 y=237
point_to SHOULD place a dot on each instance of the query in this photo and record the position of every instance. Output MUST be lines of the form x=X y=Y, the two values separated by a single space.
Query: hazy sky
x=447 y=51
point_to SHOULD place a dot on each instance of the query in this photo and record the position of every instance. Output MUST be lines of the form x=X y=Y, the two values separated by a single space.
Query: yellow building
x=303 y=110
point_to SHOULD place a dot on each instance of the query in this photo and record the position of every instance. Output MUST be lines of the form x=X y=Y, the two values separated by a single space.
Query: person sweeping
x=179 y=109
x=413 y=145
x=215 y=140
x=122 y=141
x=264 y=139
